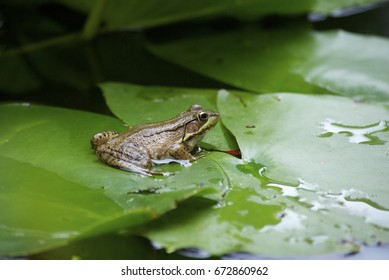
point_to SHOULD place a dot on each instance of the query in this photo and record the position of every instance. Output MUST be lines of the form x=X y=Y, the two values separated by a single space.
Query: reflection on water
x=64 y=234
x=352 y=201
x=194 y=253
x=361 y=206
x=285 y=190
x=376 y=252
x=293 y=191
x=357 y=134
x=290 y=221
x=363 y=209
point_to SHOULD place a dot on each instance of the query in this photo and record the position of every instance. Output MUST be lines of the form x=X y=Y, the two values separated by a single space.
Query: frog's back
x=156 y=141
x=154 y=133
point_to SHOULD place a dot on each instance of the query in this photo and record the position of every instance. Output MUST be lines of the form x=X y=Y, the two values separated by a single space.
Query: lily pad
x=292 y=59
x=294 y=193
x=54 y=189
x=286 y=138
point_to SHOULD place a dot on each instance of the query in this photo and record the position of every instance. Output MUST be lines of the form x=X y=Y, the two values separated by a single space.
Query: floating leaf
x=286 y=139
x=291 y=59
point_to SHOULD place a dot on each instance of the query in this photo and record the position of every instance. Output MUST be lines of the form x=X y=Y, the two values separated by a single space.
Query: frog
x=137 y=149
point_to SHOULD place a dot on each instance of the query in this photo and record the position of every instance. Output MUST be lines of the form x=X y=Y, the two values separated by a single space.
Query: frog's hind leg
x=129 y=158
x=102 y=137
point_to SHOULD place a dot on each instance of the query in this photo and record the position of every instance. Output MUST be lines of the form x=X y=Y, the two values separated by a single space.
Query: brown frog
x=135 y=149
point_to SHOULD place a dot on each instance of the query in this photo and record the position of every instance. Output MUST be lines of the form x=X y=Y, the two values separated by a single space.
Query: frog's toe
x=146 y=172
x=126 y=166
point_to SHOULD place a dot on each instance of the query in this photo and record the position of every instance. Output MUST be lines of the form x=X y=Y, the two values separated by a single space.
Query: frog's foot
x=146 y=172
x=102 y=137
x=183 y=162
x=126 y=166
x=160 y=172
x=197 y=156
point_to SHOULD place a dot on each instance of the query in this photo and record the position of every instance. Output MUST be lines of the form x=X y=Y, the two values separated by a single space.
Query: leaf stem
x=36 y=46
x=92 y=24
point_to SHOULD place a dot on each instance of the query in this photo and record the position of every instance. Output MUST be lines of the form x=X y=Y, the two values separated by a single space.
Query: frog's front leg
x=180 y=151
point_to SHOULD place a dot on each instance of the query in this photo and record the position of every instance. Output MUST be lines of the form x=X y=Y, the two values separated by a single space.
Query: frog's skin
x=135 y=149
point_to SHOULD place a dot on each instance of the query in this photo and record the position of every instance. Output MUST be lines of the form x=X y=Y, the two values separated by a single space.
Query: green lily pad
x=54 y=189
x=292 y=59
x=295 y=192
x=287 y=139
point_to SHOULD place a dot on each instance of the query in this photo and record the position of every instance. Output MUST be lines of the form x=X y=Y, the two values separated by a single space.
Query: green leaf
x=54 y=188
x=138 y=104
x=65 y=64
x=292 y=59
x=286 y=138
x=12 y=67
x=105 y=247
x=295 y=193
x=40 y=209
x=326 y=7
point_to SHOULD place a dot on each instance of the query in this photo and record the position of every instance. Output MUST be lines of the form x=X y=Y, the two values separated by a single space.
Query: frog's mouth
x=211 y=122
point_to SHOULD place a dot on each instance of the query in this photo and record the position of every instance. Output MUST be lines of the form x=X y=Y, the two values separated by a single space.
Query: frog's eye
x=203 y=116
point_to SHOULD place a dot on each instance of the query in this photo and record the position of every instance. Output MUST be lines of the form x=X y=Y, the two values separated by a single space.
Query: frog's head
x=199 y=123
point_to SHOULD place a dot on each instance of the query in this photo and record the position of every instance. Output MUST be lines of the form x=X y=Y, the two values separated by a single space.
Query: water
x=356 y=134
